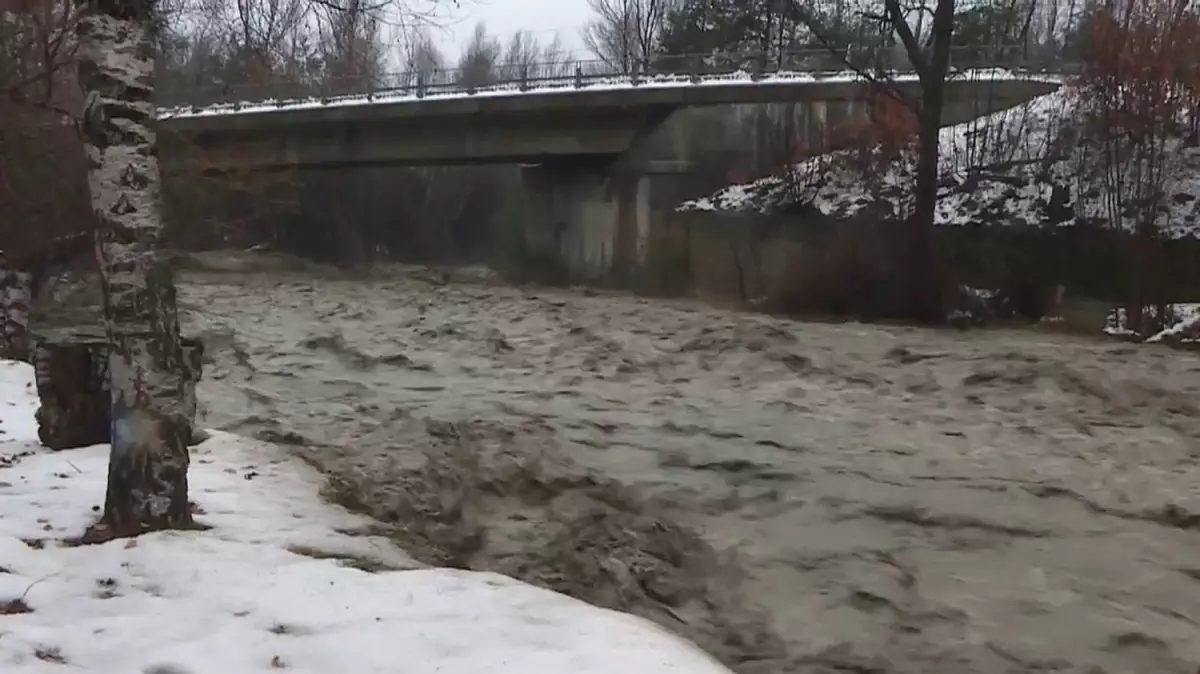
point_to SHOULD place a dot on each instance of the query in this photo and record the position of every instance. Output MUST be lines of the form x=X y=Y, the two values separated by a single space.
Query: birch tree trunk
x=148 y=464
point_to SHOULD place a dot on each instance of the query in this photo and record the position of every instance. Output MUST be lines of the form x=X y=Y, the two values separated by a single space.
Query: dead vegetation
x=14 y=607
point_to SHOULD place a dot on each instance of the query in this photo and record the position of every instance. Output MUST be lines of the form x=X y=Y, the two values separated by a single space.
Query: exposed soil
x=795 y=497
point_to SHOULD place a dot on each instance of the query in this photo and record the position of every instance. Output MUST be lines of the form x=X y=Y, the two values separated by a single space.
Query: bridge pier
x=584 y=217
x=597 y=218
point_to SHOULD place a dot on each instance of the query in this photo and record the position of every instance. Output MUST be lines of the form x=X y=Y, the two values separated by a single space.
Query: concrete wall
x=602 y=226
x=751 y=138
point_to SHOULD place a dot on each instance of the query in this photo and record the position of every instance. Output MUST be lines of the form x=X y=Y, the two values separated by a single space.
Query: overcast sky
x=542 y=18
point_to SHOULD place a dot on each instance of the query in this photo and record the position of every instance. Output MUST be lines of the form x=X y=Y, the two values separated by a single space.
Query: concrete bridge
x=509 y=126
x=591 y=182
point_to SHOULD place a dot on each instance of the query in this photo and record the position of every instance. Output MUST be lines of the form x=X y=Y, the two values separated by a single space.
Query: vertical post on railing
x=634 y=73
x=524 y=85
x=578 y=76
x=693 y=66
x=421 y=84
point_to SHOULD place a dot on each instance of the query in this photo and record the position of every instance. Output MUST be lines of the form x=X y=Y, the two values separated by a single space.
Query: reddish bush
x=1139 y=88
x=847 y=273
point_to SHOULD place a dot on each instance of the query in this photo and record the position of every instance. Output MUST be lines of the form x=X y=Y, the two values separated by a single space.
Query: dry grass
x=14 y=607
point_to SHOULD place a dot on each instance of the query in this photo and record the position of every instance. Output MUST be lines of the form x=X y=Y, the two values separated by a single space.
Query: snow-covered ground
x=565 y=84
x=1183 y=326
x=276 y=584
x=1186 y=330
x=1000 y=169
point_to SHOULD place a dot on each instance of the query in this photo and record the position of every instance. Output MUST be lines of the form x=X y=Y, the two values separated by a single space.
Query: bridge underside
x=476 y=139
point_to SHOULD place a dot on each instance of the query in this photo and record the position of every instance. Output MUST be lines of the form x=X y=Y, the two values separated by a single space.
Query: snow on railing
x=695 y=70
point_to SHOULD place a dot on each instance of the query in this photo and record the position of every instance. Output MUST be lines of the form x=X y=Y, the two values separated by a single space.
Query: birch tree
x=148 y=464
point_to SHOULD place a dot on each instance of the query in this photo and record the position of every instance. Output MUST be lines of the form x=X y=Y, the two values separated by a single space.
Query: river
x=797 y=497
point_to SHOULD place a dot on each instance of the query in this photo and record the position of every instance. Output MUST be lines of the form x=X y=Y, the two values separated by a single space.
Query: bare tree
x=260 y=35
x=625 y=33
x=930 y=58
x=477 y=65
x=923 y=34
x=148 y=464
x=350 y=47
x=38 y=200
x=420 y=58
x=527 y=59
x=521 y=56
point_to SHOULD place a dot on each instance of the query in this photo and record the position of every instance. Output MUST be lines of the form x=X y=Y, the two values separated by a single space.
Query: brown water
x=870 y=499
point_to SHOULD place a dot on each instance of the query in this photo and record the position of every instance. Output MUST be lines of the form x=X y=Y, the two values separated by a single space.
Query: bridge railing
x=584 y=73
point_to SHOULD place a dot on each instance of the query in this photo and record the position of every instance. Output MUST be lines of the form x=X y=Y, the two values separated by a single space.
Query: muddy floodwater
x=797 y=497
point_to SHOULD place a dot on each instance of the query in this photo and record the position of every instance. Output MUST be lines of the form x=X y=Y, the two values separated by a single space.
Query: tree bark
x=923 y=277
x=148 y=464
x=71 y=372
x=16 y=294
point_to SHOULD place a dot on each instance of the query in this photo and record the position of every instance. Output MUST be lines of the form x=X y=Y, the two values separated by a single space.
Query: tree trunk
x=923 y=280
x=71 y=372
x=16 y=293
x=148 y=464
x=72 y=377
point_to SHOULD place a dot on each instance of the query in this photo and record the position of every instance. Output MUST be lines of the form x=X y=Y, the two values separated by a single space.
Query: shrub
x=847 y=272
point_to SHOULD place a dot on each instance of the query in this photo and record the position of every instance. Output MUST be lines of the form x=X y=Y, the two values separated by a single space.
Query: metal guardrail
x=582 y=73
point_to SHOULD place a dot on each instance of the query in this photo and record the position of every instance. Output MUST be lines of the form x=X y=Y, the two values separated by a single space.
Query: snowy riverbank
x=277 y=584
x=1021 y=166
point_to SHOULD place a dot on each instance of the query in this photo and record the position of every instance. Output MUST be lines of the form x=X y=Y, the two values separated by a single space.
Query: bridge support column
x=594 y=220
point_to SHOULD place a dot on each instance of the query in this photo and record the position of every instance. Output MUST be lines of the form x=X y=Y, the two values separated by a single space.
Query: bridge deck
x=565 y=93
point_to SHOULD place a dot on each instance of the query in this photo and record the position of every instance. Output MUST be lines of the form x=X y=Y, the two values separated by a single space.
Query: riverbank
x=276 y=580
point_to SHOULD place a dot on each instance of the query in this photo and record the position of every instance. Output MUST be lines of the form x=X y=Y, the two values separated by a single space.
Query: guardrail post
x=578 y=76
x=420 y=85
x=634 y=74
x=524 y=85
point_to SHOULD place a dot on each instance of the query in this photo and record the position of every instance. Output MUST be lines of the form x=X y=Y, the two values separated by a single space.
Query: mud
x=795 y=497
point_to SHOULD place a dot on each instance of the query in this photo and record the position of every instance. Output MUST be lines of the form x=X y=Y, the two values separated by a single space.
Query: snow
x=262 y=590
x=563 y=85
x=1185 y=331
x=1183 y=325
x=993 y=171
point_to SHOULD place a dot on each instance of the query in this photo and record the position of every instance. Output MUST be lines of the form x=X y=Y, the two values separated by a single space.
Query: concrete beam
x=604 y=134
